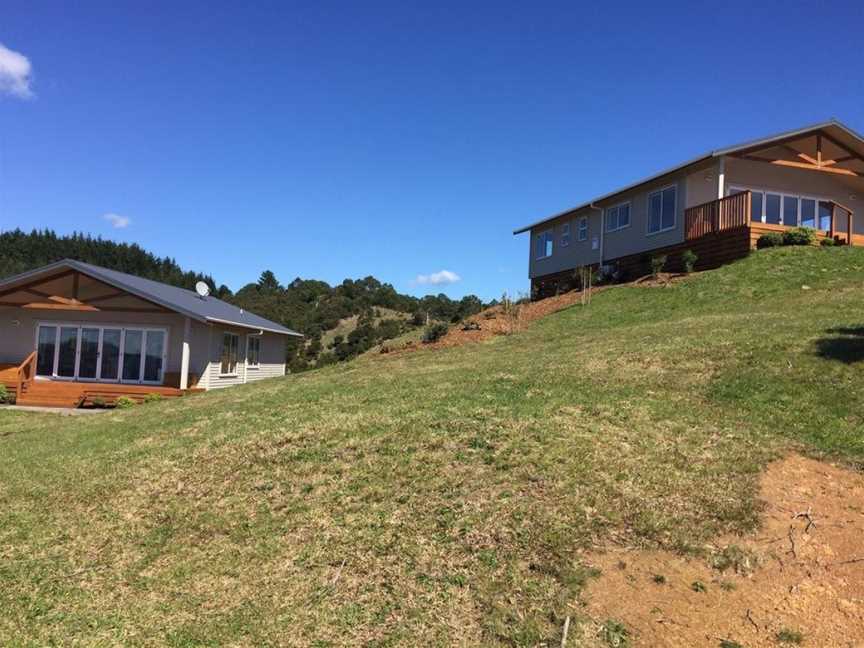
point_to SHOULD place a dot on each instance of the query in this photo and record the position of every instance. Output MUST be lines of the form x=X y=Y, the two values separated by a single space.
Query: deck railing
x=718 y=215
x=25 y=373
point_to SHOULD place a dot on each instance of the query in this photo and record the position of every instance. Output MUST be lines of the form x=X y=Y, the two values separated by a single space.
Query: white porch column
x=184 y=356
x=721 y=177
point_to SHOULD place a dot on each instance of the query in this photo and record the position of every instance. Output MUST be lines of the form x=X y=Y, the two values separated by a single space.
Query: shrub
x=799 y=236
x=790 y=636
x=153 y=398
x=5 y=396
x=98 y=402
x=828 y=242
x=771 y=239
x=615 y=634
x=689 y=259
x=657 y=264
x=124 y=402
x=434 y=332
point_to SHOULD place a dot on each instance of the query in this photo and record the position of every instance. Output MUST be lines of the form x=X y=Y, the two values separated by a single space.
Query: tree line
x=309 y=306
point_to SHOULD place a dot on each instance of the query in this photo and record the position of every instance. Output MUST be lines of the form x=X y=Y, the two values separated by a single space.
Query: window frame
x=582 y=232
x=547 y=236
x=257 y=339
x=739 y=188
x=565 y=234
x=616 y=207
x=662 y=229
x=231 y=373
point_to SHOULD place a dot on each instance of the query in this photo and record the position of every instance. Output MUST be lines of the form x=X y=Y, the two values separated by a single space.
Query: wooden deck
x=61 y=393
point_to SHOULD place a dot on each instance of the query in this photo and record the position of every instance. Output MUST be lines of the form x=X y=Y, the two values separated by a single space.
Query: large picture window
x=230 y=345
x=790 y=210
x=662 y=206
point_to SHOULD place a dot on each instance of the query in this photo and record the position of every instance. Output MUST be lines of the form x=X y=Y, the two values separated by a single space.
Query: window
x=253 y=352
x=565 y=235
x=543 y=245
x=617 y=217
x=230 y=344
x=783 y=209
x=583 y=229
x=661 y=210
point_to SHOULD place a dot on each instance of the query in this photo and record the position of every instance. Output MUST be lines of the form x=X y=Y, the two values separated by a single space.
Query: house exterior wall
x=694 y=186
x=566 y=257
x=18 y=328
x=272 y=359
x=846 y=190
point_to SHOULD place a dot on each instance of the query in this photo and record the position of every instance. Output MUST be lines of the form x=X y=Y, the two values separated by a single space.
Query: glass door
x=88 y=357
x=133 y=345
x=154 y=347
x=46 y=347
x=109 y=363
x=67 y=353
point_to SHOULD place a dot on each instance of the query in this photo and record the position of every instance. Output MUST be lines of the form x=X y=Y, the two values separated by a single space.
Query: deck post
x=184 y=356
x=849 y=241
x=833 y=218
x=721 y=178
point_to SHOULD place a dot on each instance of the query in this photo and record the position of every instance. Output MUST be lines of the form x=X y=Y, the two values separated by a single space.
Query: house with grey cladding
x=72 y=333
x=717 y=205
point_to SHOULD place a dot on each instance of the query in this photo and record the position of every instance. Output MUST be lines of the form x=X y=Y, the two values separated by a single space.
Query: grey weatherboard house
x=107 y=332
x=717 y=204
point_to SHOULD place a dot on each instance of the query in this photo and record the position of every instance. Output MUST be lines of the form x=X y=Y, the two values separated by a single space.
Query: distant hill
x=312 y=307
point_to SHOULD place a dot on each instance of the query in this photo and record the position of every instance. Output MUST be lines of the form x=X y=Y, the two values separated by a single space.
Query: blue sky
x=397 y=139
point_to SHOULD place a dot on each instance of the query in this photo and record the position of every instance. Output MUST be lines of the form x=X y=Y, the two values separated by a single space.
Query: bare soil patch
x=801 y=577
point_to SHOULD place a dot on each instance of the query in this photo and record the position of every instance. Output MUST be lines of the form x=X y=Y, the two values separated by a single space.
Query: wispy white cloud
x=117 y=221
x=442 y=278
x=15 y=71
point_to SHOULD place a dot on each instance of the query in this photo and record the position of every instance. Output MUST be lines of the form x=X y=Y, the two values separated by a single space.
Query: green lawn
x=437 y=497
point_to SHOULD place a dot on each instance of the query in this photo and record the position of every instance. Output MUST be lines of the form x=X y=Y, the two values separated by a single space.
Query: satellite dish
x=202 y=289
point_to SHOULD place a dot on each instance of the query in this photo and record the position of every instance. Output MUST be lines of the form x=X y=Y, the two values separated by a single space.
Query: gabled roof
x=841 y=131
x=186 y=302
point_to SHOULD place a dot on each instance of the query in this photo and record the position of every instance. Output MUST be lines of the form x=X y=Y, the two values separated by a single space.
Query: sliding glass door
x=108 y=354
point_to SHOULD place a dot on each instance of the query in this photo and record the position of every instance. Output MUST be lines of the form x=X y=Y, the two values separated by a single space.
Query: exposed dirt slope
x=802 y=573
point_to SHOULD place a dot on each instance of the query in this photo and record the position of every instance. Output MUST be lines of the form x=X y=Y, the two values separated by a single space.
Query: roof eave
x=254 y=327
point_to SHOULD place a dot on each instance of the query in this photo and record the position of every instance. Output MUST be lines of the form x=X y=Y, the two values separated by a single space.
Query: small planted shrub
x=799 y=236
x=660 y=579
x=689 y=259
x=729 y=643
x=769 y=240
x=153 y=398
x=98 y=402
x=615 y=634
x=5 y=396
x=434 y=332
x=658 y=262
x=790 y=636
x=828 y=242
x=698 y=586
x=124 y=402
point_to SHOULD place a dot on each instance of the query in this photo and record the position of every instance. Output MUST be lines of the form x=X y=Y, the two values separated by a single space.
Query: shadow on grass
x=845 y=345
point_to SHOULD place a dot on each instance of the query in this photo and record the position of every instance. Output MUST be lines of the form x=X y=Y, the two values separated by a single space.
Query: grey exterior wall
x=18 y=339
x=694 y=186
x=271 y=359
x=846 y=190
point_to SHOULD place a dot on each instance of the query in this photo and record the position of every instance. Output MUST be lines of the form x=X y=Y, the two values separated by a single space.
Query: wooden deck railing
x=25 y=373
x=718 y=215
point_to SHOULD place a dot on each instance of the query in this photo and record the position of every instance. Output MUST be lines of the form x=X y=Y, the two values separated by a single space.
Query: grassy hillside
x=432 y=498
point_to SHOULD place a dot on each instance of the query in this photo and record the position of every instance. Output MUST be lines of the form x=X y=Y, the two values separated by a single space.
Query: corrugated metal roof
x=185 y=302
x=707 y=156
